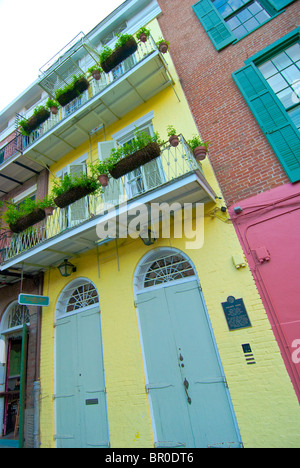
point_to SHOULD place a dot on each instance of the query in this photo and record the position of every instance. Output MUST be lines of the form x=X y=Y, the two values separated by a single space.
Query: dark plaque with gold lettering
x=235 y=313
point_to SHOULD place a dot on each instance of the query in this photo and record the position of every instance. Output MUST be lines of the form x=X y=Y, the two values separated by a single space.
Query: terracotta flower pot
x=49 y=210
x=163 y=47
x=143 y=37
x=54 y=110
x=174 y=140
x=96 y=74
x=103 y=179
x=200 y=153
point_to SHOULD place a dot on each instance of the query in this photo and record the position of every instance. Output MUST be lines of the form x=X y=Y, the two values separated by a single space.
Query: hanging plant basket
x=119 y=55
x=72 y=195
x=135 y=160
x=36 y=120
x=67 y=97
x=27 y=221
x=200 y=153
x=73 y=91
x=81 y=85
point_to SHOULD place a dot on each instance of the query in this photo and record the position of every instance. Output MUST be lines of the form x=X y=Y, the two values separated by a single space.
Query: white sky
x=33 y=31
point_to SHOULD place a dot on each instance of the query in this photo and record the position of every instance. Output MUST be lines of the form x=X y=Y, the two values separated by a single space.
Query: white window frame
x=27 y=193
x=66 y=218
x=127 y=134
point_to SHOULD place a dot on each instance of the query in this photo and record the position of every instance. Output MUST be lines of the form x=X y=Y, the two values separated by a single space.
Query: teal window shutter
x=280 y=4
x=280 y=131
x=213 y=23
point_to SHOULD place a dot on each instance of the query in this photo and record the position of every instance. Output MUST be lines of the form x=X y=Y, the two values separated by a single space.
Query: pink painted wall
x=269 y=231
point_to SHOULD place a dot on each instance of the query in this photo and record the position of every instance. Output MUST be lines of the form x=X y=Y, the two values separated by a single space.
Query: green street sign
x=33 y=300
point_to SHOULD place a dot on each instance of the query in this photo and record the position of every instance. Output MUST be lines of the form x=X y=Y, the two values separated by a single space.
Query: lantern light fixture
x=66 y=268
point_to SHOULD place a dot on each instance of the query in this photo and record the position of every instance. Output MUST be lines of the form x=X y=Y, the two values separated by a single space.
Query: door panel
x=210 y=412
x=91 y=380
x=67 y=424
x=164 y=381
x=192 y=404
x=81 y=411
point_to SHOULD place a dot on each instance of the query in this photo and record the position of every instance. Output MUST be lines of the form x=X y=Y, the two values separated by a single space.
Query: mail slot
x=93 y=401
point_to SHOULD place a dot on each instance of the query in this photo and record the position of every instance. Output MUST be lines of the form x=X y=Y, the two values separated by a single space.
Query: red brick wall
x=9 y=294
x=243 y=160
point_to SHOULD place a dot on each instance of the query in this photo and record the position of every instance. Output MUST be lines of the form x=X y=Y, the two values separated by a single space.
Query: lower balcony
x=174 y=176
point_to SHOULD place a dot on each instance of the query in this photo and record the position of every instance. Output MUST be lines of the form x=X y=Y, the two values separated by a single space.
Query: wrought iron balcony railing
x=172 y=164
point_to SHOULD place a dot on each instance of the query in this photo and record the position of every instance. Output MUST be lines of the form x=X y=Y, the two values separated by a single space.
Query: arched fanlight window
x=83 y=296
x=163 y=266
x=78 y=295
x=15 y=315
x=166 y=269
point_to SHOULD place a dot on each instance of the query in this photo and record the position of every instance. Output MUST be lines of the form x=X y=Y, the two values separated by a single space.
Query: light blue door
x=81 y=410
x=187 y=391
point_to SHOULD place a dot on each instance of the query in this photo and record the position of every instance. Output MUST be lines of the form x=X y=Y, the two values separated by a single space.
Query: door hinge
x=157 y=387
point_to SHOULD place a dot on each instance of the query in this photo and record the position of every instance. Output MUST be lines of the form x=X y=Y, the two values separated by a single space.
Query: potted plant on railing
x=141 y=150
x=95 y=72
x=163 y=45
x=48 y=205
x=101 y=171
x=198 y=147
x=173 y=137
x=52 y=106
x=71 y=188
x=21 y=217
x=125 y=46
x=143 y=34
x=71 y=91
x=39 y=116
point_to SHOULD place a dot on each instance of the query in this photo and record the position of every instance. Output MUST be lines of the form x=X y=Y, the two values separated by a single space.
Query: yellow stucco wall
x=264 y=401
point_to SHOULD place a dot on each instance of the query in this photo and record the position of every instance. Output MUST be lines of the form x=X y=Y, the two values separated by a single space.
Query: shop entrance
x=13 y=359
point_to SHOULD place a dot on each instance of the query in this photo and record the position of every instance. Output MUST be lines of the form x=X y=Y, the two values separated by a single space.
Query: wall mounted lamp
x=66 y=268
x=148 y=237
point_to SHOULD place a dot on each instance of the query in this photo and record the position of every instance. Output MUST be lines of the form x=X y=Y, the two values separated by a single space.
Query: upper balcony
x=174 y=176
x=130 y=84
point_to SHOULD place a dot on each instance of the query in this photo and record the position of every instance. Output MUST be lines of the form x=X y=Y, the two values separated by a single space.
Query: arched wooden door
x=80 y=398
x=188 y=395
